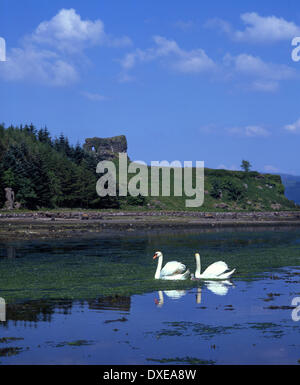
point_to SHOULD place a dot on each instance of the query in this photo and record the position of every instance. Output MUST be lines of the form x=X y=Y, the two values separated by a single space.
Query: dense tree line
x=47 y=172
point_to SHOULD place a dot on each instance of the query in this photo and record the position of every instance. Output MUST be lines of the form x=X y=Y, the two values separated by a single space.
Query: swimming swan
x=216 y=270
x=172 y=270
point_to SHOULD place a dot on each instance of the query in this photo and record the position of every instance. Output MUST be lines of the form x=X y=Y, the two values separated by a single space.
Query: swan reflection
x=173 y=294
x=216 y=287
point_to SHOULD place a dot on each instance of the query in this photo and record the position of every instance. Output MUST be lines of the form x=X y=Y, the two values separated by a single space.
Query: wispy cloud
x=233 y=167
x=258 y=29
x=39 y=66
x=271 y=169
x=294 y=127
x=174 y=57
x=184 y=25
x=249 y=71
x=95 y=97
x=261 y=75
x=249 y=131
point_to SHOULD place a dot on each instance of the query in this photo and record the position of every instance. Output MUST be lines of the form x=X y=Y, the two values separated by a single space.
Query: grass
x=258 y=193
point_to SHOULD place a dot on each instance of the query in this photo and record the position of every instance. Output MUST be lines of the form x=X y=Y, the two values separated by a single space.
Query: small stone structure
x=10 y=198
x=106 y=148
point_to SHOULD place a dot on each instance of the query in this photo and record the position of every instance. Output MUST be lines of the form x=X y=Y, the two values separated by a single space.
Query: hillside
x=50 y=173
x=235 y=191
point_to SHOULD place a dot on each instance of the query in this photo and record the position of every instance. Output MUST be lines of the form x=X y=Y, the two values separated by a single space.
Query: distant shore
x=68 y=224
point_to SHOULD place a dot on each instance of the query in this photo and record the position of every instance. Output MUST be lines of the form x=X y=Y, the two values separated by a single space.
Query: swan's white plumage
x=217 y=270
x=226 y=275
x=172 y=270
x=173 y=267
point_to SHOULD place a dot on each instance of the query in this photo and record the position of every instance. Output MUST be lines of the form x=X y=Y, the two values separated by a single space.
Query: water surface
x=94 y=301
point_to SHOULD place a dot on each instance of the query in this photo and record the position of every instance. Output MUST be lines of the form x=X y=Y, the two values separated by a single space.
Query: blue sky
x=197 y=80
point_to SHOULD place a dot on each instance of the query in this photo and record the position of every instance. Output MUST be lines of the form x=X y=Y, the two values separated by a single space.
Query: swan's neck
x=158 y=269
x=198 y=267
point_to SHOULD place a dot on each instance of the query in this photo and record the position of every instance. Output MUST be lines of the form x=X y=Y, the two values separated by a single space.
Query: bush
x=230 y=187
x=139 y=200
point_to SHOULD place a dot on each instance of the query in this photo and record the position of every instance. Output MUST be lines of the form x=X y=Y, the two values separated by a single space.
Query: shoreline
x=57 y=225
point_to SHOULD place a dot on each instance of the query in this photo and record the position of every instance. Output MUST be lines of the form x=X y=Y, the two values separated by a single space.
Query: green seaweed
x=183 y=328
x=11 y=351
x=5 y=340
x=81 y=269
x=73 y=343
x=185 y=360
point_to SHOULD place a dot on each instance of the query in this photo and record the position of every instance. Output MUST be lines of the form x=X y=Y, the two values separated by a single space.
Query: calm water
x=95 y=301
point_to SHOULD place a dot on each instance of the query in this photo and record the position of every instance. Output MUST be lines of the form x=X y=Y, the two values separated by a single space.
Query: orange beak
x=154 y=256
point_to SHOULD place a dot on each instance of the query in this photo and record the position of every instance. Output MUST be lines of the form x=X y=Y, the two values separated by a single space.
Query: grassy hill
x=50 y=173
x=231 y=190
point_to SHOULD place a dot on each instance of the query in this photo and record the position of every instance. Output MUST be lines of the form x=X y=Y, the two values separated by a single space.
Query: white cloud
x=266 y=29
x=265 y=86
x=129 y=60
x=219 y=24
x=123 y=77
x=66 y=31
x=224 y=167
x=49 y=54
x=258 y=29
x=39 y=66
x=254 y=66
x=294 y=127
x=193 y=61
x=94 y=96
x=271 y=169
x=249 y=131
x=184 y=25
x=261 y=75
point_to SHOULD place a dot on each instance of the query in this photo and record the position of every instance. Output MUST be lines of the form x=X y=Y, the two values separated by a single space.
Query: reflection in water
x=115 y=302
x=8 y=251
x=90 y=316
x=11 y=252
x=173 y=294
x=43 y=310
x=199 y=295
x=219 y=288
x=35 y=311
x=216 y=287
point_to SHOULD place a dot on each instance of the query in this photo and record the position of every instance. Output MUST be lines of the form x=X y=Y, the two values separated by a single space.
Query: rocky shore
x=65 y=224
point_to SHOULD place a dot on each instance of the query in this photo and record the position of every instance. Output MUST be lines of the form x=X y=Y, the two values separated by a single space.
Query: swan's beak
x=154 y=256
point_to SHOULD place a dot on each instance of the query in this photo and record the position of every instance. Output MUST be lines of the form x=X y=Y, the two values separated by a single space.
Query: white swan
x=172 y=270
x=216 y=270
